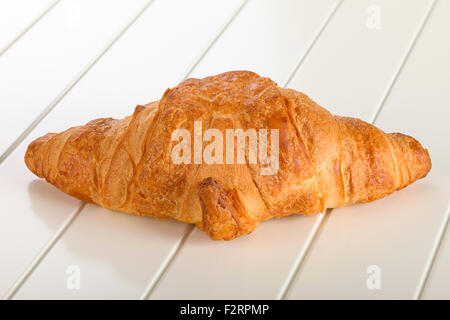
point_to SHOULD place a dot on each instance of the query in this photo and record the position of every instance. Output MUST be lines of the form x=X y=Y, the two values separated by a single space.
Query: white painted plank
x=398 y=233
x=438 y=284
x=259 y=265
x=16 y=16
x=30 y=75
x=268 y=38
x=115 y=253
x=51 y=54
x=119 y=254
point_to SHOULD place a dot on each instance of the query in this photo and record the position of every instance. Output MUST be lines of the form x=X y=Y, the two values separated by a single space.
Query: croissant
x=323 y=161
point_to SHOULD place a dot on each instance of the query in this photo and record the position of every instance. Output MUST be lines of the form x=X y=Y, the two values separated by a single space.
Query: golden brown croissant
x=324 y=161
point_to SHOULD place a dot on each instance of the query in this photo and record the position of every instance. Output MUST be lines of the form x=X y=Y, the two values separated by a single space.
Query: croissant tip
x=31 y=155
x=418 y=158
x=427 y=163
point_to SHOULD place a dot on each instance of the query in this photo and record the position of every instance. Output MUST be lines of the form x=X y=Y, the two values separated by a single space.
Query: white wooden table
x=63 y=63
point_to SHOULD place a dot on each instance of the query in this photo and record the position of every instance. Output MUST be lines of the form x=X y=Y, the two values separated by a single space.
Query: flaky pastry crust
x=325 y=161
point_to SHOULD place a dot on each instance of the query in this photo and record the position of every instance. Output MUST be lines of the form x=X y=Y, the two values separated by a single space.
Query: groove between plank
x=313 y=42
x=212 y=42
x=21 y=280
x=27 y=28
x=433 y=255
x=304 y=252
x=318 y=226
x=41 y=255
x=402 y=64
x=167 y=262
x=69 y=87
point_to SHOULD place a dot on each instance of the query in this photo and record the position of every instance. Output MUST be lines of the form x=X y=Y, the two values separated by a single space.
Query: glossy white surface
x=343 y=64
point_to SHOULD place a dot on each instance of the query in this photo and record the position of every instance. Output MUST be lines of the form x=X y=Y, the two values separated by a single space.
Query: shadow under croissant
x=46 y=200
x=90 y=238
x=115 y=239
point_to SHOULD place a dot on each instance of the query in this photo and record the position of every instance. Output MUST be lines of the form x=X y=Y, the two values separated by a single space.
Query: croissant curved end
x=32 y=154
x=417 y=158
